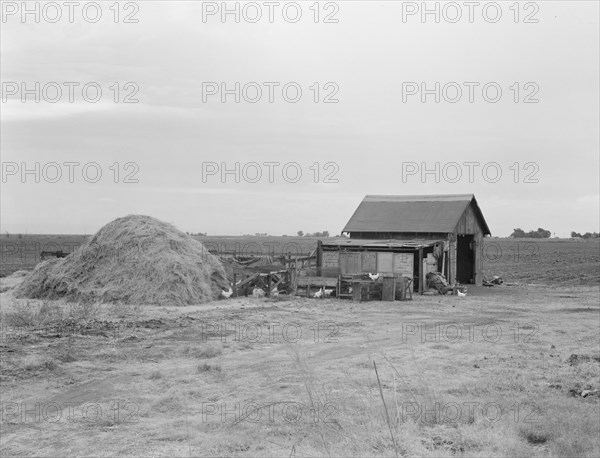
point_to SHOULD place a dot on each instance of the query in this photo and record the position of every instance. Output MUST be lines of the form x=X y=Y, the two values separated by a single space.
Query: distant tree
x=542 y=233
x=517 y=233
x=300 y=233
x=316 y=234
x=539 y=234
x=586 y=236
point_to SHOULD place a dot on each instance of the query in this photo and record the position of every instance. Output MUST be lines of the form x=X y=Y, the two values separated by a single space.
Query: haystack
x=132 y=260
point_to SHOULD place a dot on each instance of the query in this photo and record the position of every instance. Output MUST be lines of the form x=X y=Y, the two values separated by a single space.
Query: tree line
x=314 y=234
x=539 y=234
x=544 y=234
x=587 y=235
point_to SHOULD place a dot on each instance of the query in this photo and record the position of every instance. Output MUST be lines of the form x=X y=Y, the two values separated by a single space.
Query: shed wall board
x=385 y=262
x=369 y=261
x=331 y=259
x=350 y=263
x=404 y=264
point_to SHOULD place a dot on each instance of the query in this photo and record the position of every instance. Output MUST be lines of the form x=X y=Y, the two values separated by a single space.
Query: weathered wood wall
x=469 y=225
x=398 y=235
x=334 y=263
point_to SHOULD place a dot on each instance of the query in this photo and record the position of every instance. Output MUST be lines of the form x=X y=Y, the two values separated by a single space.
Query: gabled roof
x=424 y=214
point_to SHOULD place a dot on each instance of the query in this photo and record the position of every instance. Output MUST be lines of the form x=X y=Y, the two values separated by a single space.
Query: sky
x=279 y=122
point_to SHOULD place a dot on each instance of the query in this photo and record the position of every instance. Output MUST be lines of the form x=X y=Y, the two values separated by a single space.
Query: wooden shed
x=407 y=258
x=454 y=222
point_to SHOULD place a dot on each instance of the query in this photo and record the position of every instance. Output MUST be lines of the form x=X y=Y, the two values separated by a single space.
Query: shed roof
x=413 y=214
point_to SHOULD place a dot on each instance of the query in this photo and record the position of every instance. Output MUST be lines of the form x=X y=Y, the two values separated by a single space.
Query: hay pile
x=132 y=260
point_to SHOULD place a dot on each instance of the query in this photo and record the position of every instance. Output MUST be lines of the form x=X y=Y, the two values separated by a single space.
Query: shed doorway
x=465 y=259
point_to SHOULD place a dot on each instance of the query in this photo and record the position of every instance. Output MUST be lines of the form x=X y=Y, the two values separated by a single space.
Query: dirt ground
x=505 y=371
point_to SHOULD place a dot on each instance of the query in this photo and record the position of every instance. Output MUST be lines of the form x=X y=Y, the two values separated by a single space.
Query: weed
x=31 y=315
x=204 y=352
x=206 y=367
x=83 y=310
x=156 y=375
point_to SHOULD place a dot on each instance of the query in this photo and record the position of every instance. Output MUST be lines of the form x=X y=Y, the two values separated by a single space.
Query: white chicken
x=319 y=293
x=227 y=294
x=328 y=292
x=460 y=293
x=258 y=292
x=373 y=277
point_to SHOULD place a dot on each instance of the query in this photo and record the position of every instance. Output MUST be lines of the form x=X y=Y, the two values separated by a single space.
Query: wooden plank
x=385 y=262
x=294 y=280
x=350 y=263
x=444 y=263
x=451 y=259
x=243 y=271
x=420 y=270
x=356 y=292
x=317 y=281
x=404 y=264
x=331 y=259
x=247 y=280
x=277 y=283
x=319 y=256
x=388 y=289
x=368 y=262
x=409 y=287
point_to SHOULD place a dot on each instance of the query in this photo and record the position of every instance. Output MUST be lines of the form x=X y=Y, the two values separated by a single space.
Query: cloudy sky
x=334 y=102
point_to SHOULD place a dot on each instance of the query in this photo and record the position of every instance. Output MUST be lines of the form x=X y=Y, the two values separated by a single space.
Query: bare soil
x=490 y=374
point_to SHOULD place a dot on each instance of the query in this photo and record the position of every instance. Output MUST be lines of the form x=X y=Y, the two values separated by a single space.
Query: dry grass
x=205 y=351
x=156 y=375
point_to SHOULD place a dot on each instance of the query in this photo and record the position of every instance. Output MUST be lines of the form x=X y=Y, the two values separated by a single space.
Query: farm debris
x=586 y=393
x=246 y=274
x=495 y=280
x=52 y=254
x=575 y=359
x=132 y=260
x=438 y=282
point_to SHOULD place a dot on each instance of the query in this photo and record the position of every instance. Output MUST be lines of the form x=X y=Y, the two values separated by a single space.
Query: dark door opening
x=465 y=259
